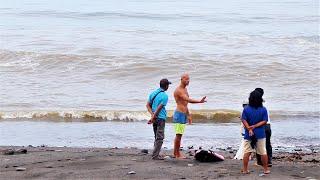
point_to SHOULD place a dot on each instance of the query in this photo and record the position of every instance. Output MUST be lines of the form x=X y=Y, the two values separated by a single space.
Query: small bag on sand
x=208 y=156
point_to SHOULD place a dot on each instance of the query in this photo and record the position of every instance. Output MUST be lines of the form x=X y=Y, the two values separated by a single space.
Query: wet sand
x=114 y=163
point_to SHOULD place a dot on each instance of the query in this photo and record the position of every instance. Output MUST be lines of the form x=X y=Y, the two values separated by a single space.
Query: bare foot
x=245 y=171
x=181 y=157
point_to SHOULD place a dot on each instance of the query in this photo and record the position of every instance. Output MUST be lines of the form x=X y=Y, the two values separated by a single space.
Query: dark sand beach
x=131 y=163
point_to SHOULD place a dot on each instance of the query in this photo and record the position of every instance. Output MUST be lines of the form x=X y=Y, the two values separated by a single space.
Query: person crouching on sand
x=156 y=104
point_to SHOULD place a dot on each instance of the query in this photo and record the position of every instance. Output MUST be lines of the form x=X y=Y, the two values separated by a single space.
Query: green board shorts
x=179 y=128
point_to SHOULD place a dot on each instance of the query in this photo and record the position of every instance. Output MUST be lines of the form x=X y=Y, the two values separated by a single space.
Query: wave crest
x=198 y=116
x=126 y=116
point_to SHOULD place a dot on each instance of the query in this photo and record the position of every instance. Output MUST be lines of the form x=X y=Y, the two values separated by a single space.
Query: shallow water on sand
x=140 y=135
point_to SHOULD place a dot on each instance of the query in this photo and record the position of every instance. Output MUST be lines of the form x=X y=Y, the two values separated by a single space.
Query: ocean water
x=287 y=134
x=109 y=55
x=98 y=60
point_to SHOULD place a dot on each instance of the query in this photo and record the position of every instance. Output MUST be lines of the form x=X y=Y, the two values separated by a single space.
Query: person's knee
x=265 y=157
x=159 y=138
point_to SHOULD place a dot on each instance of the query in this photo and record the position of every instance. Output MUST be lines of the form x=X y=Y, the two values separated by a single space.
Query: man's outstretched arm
x=193 y=101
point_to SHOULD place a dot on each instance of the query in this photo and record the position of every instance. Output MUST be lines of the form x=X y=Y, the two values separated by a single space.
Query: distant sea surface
x=81 y=60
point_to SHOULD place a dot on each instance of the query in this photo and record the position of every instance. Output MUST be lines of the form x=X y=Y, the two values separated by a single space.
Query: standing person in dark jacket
x=268 y=137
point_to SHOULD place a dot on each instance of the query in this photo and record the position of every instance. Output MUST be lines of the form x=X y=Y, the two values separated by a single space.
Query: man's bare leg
x=177 y=143
x=264 y=159
x=245 y=163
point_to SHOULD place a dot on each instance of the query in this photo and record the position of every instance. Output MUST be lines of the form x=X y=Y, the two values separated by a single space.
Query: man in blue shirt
x=254 y=117
x=156 y=104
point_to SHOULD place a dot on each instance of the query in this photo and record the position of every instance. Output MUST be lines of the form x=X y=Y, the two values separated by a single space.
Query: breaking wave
x=198 y=116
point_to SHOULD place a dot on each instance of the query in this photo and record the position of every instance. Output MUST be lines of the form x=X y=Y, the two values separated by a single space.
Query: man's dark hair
x=244 y=105
x=255 y=99
x=260 y=90
x=164 y=83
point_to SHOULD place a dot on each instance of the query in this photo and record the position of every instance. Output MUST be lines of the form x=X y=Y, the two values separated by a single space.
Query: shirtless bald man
x=182 y=114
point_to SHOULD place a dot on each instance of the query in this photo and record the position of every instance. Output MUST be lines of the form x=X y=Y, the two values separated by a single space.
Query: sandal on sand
x=158 y=158
x=266 y=172
x=245 y=172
